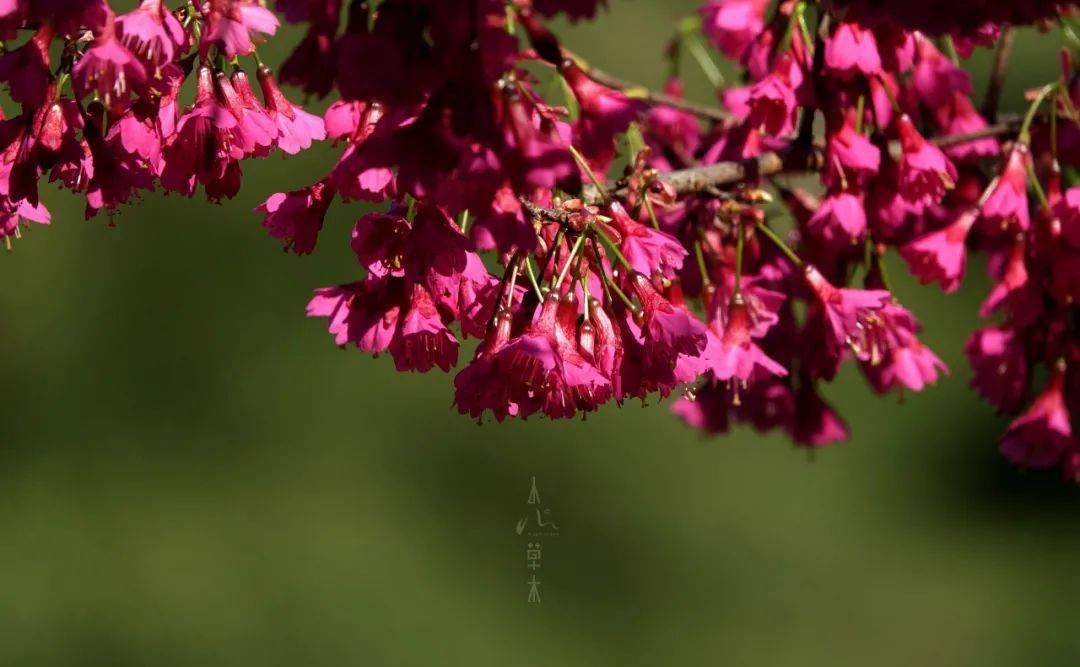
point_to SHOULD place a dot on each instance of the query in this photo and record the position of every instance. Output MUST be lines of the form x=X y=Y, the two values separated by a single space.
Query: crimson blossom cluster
x=601 y=241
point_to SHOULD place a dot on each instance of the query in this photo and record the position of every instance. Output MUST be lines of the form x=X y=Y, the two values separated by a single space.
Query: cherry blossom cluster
x=602 y=242
x=102 y=109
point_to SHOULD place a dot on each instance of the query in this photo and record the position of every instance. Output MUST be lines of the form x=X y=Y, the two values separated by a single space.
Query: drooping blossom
x=732 y=353
x=232 y=23
x=297 y=129
x=941 y=256
x=841 y=218
x=1000 y=365
x=816 y=423
x=925 y=173
x=424 y=341
x=733 y=24
x=1068 y=213
x=852 y=49
x=546 y=371
x=1006 y=207
x=848 y=311
x=647 y=249
x=935 y=79
x=297 y=217
x=152 y=32
x=1039 y=437
x=108 y=67
x=25 y=70
x=849 y=155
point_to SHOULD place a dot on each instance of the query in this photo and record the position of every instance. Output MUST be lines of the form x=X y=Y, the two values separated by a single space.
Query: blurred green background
x=191 y=473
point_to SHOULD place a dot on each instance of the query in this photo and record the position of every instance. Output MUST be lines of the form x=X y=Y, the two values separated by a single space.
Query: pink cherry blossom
x=850 y=49
x=297 y=217
x=1040 y=436
x=941 y=256
x=297 y=129
x=732 y=24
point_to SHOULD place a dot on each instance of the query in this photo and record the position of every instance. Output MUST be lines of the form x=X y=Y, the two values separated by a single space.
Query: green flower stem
x=569 y=260
x=612 y=248
x=775 y=238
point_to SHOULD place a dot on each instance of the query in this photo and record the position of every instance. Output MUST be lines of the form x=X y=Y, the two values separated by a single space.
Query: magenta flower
x=423 y=341
x=896 y=47
x=960 y=117
x=343 y=118
x=925 y=173
x=671 y=129
x=1000 y=366
x=255 y=132
x=360 y=176
x=138 y=133
x=539 y=157
x=840 y=219
x=442 y=257
x=849 y=312
x=364 y=314
x=941 y=256
x=649 y=250
x=1068 y=212
x=897 y=359
x=732 y=354
x=108 y=67
x=504 y=226
x=668 y=330
x=849 y=155
x=361 y=172
x=935 y=79
x=26 y=69
x=547 y=371
x=733 y=24
x=200 y=150
x=851 y=49
x=762 y=304
x=604 y=114
x=816 y=423
x=1040 y=436
x=1007 y=205
x=297 y=129
x=772 y=105
x=913 y=367
x=297 y=217
x=152 y=33
x=480 y=386
x=608 y=350
x=306 y=67
x=381 y=243
x=1015 y=289
x=230 y=25
x=708 y=411
x=13 y=216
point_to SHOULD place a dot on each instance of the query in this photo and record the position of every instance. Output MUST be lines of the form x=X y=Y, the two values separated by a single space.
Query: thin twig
x=698 y=179
x=1004 y=127
x=653 y=97
x=997 y=75
x=544 y=213
x=701 y=179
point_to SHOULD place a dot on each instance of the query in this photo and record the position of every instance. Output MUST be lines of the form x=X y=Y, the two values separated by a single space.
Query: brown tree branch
x=699 y=179
x=997 y=75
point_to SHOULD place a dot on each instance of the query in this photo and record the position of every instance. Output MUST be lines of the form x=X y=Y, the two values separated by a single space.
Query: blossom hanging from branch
x=698 y=271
